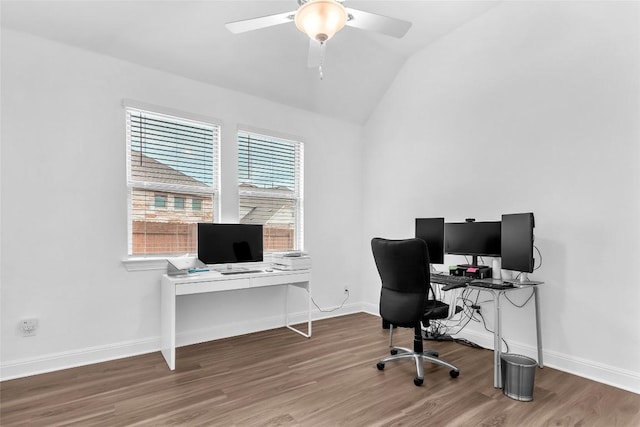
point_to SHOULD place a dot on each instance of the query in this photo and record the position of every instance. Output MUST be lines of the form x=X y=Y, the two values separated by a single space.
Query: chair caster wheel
x=393 y=351
x=380 y=366
x=454 y=374
x=418 y=381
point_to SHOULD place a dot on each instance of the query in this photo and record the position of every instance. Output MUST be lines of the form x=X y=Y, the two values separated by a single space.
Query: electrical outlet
x=28 y=327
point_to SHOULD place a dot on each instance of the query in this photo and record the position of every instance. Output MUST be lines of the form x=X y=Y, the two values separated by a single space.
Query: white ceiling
x=188 y=38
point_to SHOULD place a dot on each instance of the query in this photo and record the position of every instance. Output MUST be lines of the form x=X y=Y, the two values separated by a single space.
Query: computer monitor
x=431 y=230
x=229 y=243
x=517 y=242
x=472 y=238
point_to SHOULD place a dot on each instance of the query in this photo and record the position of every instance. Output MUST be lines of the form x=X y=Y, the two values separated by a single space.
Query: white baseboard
x=606 y=374
x=87 y=356
x=372 y=309
x=620 y=378
x=599 y=372
x=72 y=359
x=616 y=377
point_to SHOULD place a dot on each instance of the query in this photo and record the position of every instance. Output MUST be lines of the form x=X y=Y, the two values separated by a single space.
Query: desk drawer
x=213 y=286
x=279 y=279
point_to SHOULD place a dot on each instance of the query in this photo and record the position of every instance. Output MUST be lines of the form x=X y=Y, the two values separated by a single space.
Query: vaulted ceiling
x=188 y=38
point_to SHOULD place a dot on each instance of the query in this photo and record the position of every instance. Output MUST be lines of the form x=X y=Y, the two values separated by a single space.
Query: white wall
x=531 y=107
x=64 y=212
x=534 y=106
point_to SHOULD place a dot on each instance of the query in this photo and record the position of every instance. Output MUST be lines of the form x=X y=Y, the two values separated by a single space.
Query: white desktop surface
x=213 y=281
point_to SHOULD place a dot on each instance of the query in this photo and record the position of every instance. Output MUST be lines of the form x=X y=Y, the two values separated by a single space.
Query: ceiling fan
x=321 y=20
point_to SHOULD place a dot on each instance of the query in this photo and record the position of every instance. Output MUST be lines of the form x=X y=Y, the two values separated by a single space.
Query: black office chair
x=404 y=270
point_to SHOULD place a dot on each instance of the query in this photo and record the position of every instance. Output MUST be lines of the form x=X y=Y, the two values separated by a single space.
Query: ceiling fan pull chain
x=320 y=67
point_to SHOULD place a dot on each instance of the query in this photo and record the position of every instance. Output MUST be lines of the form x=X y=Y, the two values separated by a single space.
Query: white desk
x=172 y=287
x=497 y=333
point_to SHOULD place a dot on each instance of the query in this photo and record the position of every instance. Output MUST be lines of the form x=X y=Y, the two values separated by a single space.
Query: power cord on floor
x=333 y=309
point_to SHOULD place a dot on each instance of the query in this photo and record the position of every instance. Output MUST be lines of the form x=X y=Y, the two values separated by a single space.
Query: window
x=178 y=202
x=271 y=189
x=196 y=204
x=169 y=159
x=160 y=201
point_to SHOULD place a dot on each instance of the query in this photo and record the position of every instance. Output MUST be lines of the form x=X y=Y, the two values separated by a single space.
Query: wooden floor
x=279 y=378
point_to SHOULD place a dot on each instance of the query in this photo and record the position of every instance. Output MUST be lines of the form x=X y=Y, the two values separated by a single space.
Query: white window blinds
x=271 y=188
x=172 y=166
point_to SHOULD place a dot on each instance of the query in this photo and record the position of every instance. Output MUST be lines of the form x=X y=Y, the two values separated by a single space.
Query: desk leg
x=538 y=329
x=309 y=309
x=497 y=341
x=168 y=323
x=286 y=315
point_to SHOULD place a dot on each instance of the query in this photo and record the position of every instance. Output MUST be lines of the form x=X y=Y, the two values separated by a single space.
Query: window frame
x=184 y=191
x=298 y=194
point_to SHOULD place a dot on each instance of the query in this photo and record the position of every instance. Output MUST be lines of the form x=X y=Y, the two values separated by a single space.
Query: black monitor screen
x=472 y=238
x=431 y=230
x=229 y=243
x=517 y=242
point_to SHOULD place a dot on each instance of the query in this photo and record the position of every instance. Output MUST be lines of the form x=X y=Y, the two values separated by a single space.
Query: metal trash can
x=518 y=373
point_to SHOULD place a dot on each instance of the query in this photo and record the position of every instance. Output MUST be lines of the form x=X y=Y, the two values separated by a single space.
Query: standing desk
x=174 y=286
x=497 y=333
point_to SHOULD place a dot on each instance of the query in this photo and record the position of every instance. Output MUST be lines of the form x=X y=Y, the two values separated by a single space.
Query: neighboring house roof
x=264 y=208
x=144 y=168
x=260 y=210
x=266 y=211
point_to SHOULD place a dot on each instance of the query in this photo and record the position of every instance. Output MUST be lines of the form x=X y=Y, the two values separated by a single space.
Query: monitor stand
x=523 y=279
x=474 y=262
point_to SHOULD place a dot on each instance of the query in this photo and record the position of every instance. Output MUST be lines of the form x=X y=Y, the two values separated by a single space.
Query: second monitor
x=473 y=239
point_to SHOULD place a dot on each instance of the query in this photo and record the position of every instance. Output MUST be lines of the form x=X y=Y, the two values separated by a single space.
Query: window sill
x=160 y=263
x=145 y=264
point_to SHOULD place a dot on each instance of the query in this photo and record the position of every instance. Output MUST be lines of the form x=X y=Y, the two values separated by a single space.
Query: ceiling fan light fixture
x=321 y=19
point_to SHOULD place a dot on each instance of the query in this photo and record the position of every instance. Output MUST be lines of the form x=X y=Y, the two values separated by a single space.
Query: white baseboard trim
x=606 y=374
x=620 y=378
x=372 y=309
x=248 y=327
x=599 y=372
x=337 y=311
x=75 y=358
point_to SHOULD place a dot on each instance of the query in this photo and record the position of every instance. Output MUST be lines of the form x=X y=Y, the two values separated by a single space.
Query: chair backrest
x=403 y=266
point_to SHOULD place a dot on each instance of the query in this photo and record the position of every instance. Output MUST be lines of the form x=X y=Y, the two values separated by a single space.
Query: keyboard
x=491 y=284
x=227 y=272
x=450 y=282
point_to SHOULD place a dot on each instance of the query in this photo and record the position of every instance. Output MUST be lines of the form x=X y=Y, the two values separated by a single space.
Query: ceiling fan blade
x=382 y=24
x=261 y=22
x=316 y=53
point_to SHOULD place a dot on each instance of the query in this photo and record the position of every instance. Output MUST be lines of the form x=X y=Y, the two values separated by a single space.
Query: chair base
x=418 y=355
